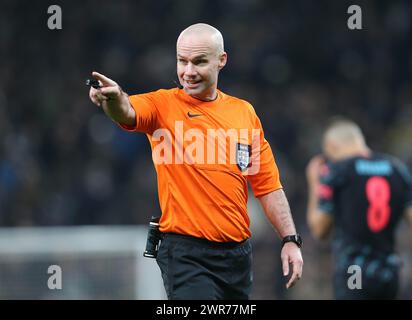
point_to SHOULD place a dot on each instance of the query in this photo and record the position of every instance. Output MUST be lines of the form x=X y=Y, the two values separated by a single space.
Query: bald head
x=343 y=138
x=200 y=57
x=344 y=131
x=205 y=33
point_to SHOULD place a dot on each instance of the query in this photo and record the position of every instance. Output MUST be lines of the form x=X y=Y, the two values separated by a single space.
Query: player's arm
x=113 y=100
x=277 y=210
x=320 y=223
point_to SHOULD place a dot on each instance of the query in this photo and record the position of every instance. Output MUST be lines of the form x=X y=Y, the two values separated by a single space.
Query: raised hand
x=109 y=90
x=113 y=100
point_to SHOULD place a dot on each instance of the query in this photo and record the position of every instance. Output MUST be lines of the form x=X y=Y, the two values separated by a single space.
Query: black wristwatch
x=293 y=238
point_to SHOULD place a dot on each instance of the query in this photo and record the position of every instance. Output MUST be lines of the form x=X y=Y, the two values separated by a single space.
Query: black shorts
x=194 y=268
x=379 y=279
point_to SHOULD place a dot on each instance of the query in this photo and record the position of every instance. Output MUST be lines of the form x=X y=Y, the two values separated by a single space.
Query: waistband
x=205 y=242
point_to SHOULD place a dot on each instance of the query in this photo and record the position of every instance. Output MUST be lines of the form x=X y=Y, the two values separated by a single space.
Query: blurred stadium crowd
x=62 y=162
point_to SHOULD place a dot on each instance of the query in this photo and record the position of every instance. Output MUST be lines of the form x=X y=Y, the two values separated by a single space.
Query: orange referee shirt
x=204 y=153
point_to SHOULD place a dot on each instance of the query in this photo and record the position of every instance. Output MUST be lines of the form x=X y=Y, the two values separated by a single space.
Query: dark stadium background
x=62 y=162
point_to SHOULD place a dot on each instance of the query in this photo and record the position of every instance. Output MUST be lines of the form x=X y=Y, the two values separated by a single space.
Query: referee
x=206 y=145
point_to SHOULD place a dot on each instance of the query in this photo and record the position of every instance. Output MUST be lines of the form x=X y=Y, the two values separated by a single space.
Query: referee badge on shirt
x=243 y=156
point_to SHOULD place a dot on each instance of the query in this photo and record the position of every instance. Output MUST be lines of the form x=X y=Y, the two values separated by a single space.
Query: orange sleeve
x=266 y=179
x=144 y=106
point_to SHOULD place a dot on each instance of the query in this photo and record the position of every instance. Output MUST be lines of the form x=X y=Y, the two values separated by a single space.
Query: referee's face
x=198 y=66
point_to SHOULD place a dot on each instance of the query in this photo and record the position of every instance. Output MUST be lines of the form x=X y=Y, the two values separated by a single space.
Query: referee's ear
x=222 y=60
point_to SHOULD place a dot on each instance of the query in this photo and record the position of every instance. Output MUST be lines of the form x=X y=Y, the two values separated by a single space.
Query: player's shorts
x=379 y=278
x=194 y=268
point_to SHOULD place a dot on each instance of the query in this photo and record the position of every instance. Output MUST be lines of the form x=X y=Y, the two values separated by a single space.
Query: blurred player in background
x=205 y=252
x=363 y=195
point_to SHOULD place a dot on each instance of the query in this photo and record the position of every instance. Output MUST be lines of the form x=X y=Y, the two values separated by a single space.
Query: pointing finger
x=105 y=80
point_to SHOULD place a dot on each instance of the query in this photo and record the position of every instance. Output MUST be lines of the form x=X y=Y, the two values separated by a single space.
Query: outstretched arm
x=113 y=100
x=277 y=210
